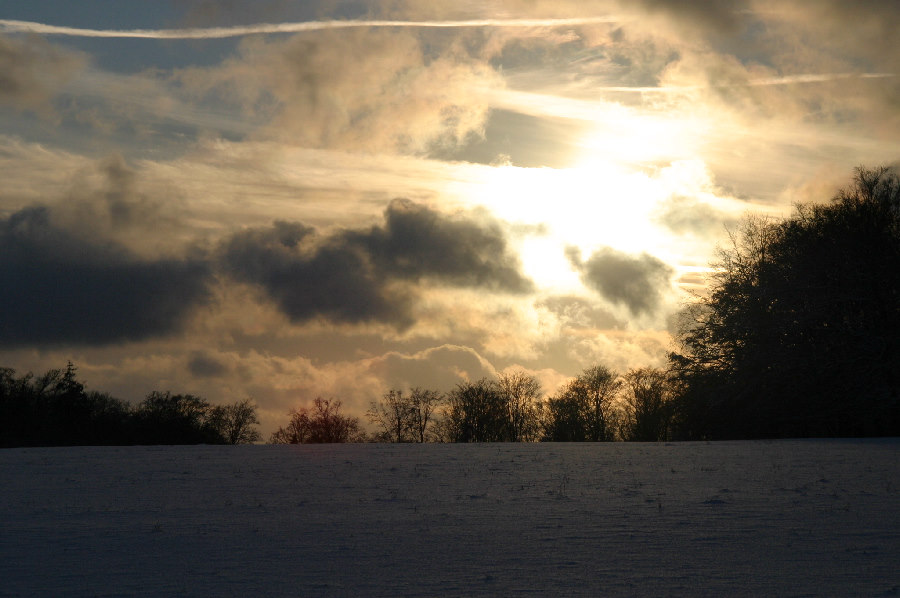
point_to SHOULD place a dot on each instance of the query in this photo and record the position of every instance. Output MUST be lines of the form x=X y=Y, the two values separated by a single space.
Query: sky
x=283 y=200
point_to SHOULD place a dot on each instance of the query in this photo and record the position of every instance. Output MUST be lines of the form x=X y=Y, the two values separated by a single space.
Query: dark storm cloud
x=310 y=277
x=59 y=288
x=637 y=282
x=32 y=70
x=202 y=365
x=364 y=275
x=418 y=242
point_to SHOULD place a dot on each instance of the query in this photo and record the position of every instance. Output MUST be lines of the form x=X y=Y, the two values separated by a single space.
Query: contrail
x=787 y=80
x=10 y=26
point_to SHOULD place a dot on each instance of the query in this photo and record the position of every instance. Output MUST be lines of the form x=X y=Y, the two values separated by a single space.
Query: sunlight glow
x=638 y=140
x=632 y=162
x=596 y=204
x=544 y=261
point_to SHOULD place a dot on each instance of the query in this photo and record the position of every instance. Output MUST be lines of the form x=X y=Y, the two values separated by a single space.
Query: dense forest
x=797 y=334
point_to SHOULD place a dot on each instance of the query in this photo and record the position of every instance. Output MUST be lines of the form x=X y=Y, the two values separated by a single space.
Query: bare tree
x=405 y=417
x=393 y=414
x=297 y=430
x=236 y=422
x=583 y=410
x=423 y=406
x=476 y=412
x=320 y=423
x=522 y=392
x=596 y=387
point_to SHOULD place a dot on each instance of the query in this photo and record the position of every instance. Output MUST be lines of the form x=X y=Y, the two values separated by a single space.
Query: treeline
x=55 y=410
x=597 y=405
x=796 y=335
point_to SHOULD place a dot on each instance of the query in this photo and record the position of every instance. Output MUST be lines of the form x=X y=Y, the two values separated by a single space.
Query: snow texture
x=781 y=518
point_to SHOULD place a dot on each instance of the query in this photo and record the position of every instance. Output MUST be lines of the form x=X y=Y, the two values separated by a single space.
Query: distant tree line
x=796 y=335
x=55 y=410
x=597 y=405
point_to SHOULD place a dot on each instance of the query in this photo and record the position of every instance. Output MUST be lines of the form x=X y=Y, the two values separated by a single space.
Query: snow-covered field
x=723 y=519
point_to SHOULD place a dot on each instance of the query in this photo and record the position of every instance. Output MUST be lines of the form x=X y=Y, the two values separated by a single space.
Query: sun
x=631 y=163
x=594 y=204
x=544 y=261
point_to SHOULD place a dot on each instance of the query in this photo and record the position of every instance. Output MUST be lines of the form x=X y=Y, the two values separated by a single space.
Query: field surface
x=782 y=518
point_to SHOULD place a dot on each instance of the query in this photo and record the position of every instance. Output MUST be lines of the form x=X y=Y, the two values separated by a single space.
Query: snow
x=791 y=518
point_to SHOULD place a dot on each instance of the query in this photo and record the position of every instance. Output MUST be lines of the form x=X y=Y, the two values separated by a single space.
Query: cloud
x=362 y=90
x=515 y=138
x=865 y=28
x=637 y=282
x=90 y=253
x=107 y=200
x=719 y=16
x=440 y=368
x=32 y=71
x=816 y=61
x=501 y=326
x=60 y=288
x=107 y=195
x=309 y=277
x=687 y=215
x=203 y=365
x=363 y=275
x=617 y=350
x=418 y=242
x=579 y=313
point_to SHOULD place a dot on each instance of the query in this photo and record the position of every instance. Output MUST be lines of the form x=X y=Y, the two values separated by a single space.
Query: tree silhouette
x=55 y=409
x=394 y=416
x=424 y=404
x=521 y=392
x=477 y=412
x=405 y=417
x=235 y=423
x=799 y=334
x=320 y=423
x=583 y=410
x=166 y=418
x=646 y=405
